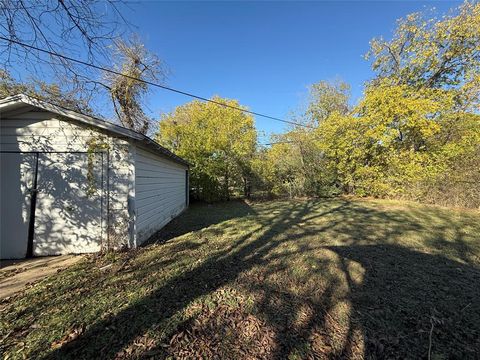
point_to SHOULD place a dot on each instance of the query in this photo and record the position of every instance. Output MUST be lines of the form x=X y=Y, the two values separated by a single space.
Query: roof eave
x=90 y=120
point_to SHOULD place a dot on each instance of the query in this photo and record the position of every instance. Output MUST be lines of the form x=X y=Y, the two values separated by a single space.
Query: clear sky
x=265 y=54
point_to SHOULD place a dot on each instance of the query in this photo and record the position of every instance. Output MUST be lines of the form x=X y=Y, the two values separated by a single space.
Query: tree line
x=415 y=133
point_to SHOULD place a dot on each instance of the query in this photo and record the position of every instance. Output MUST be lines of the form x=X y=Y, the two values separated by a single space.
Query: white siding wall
x=160 y=192
x=42 y=131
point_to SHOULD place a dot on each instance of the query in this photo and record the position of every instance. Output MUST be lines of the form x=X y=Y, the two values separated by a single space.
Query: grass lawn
x=302 y=279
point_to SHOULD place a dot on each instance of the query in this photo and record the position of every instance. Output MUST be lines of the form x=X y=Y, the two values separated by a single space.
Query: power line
x=52 y=53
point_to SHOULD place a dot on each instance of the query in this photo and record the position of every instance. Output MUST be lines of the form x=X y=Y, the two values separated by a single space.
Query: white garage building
x=72 y=183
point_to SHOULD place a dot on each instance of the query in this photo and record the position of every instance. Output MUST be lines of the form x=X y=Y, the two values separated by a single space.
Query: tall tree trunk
x=227 y=186
x=246 y=188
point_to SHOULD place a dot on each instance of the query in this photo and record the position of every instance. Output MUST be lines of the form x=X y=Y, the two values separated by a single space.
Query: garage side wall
x=160 y=192
x=44 y=132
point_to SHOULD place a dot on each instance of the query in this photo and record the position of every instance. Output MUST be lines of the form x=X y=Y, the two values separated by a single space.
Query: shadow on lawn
x=201 y=215
x=404 y=293
x=389 y=310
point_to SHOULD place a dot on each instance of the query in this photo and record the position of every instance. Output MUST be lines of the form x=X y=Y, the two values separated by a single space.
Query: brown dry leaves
x=223 y=333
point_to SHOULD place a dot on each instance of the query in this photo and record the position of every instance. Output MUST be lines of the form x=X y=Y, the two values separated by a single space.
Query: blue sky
x=265 y=54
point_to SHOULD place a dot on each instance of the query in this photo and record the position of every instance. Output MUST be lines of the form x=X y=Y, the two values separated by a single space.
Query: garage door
x=70 y=207
x=16 y=176
x=68 y=216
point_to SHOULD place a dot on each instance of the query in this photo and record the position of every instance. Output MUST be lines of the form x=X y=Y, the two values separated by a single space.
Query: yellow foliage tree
x=218 y=141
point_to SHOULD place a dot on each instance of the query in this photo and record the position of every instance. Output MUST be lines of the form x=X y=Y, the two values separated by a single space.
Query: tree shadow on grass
x=109 y=336
x=351 y=300
x=199 y=216
x=404 y=294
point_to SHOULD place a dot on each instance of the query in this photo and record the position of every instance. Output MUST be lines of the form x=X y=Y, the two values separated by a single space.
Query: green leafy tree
x=296 y=164
x=415 y=132
x=218 y=141
x=423 y=106
x=327 y=98
x=430 y=52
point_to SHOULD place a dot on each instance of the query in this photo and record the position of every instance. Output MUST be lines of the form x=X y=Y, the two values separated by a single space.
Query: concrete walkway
x=16 y=274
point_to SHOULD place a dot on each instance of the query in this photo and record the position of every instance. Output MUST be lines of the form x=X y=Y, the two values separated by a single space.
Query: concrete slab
x=16 y=274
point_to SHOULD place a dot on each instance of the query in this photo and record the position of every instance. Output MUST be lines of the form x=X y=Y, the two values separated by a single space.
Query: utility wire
x=52 y=53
